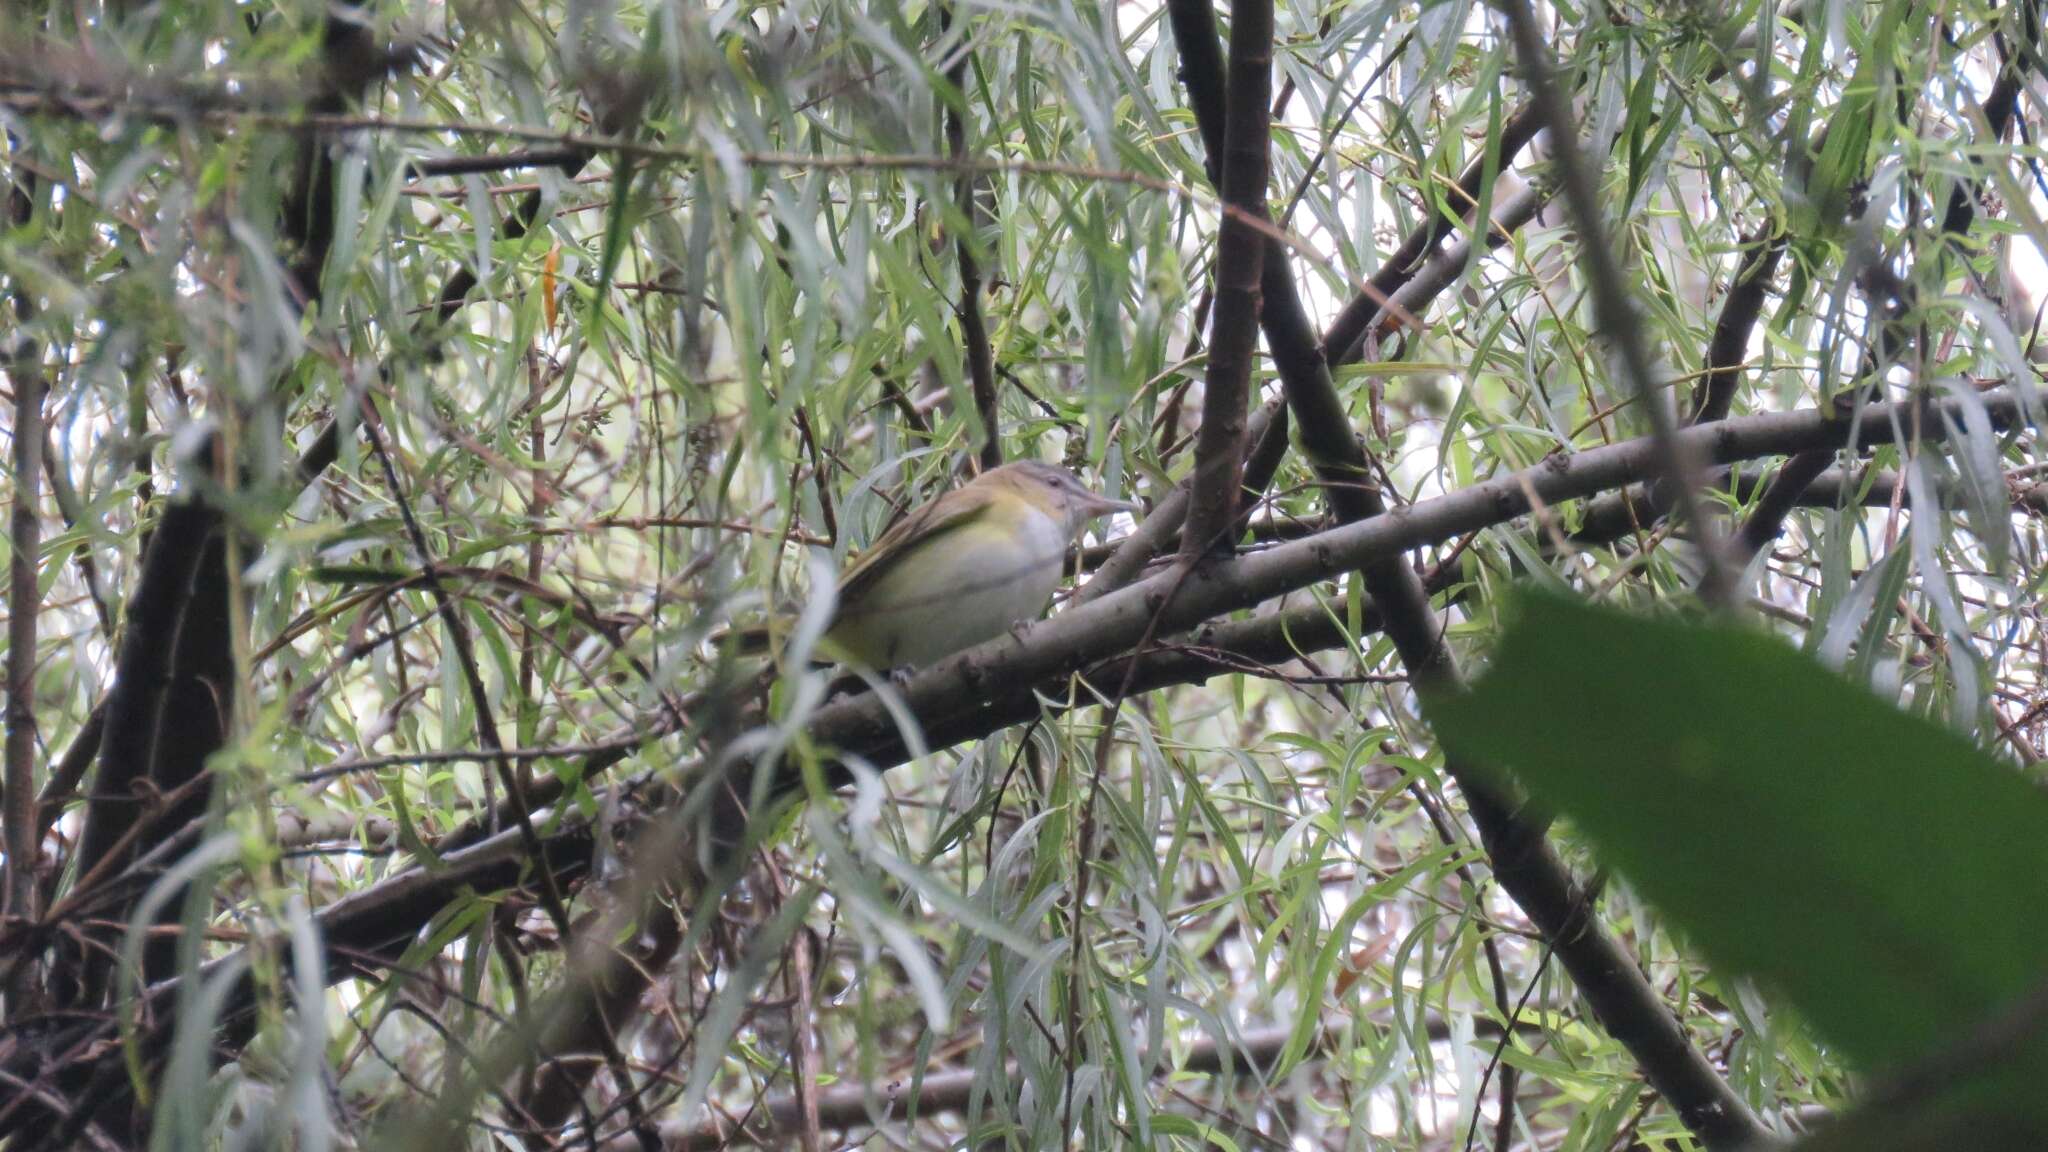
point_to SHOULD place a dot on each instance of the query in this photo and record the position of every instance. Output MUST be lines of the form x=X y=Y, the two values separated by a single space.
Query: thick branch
x=952 y=703
x=1268 y=437
x=1267 y=430
x=966 y=695
x=1778 y=500
x=567 y=159
x=1999 y=106
x=191 y=620
x=1240 y=256
x=24 y=600
x=1525 y=864
x=350 y=60
x=1442 y=270
x=145 y=668
x=1410 y=288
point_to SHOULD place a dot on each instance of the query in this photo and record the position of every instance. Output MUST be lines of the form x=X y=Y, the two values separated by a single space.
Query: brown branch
x=1728 y=348
x=1623 y=999
x=67 y=1112
x=849 y=1107
x=1444 y=269
x=1411 y=294
x=1344 y=340
x=145 y=669
x=154 y=617
x=804 y=1071
x=1241 y=175
x=1267 y=430
x=569 y=160
x=1999 y=107
x=981 y=370
x=970 y=695
x=1790 y=483
x=350 y=60
x=589 y=1025
x=24 y=600
x=163 y=598
x=992 y=685
x=1269 y=448
x=190 y=619
x=1614 y=515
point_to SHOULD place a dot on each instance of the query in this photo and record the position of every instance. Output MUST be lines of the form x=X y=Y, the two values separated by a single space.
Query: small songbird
x=963 y=568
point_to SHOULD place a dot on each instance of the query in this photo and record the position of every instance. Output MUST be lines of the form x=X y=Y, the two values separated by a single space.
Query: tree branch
x=847 y=1107
x=1344 y=340
x=971 y=694
x=1728 y=349
x=981 y=369
x=24 y=365
x=190 y=617
x=144 y=671
x=1768 y=518
x=1618 y=321
x=1267 y=430
x=1240 y=257
x=959 y=699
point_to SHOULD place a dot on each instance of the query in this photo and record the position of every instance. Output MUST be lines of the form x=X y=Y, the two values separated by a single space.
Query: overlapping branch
x=1523 y=861
x=1000 y=682
x=1240 y=175
x=1745 y=301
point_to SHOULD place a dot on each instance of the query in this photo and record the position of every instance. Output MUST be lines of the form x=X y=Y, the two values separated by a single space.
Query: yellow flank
x=962 y=569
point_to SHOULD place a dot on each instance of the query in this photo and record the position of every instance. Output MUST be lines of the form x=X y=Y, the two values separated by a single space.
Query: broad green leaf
x=1881 y=873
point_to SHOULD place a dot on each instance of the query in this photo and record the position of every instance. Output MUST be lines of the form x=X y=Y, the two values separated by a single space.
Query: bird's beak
x=1103 y=505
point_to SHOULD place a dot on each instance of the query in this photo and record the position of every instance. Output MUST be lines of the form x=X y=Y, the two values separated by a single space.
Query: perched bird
x=963 y=568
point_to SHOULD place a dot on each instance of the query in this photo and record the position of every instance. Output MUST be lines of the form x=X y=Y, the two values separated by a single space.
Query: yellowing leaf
x=548 y=264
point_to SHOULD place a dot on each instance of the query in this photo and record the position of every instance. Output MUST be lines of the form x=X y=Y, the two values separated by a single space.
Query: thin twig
x=479 y=696
x=1618 y=320
x=981 y=371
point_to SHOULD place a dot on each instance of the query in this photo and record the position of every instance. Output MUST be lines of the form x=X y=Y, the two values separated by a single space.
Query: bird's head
x=1054 y=491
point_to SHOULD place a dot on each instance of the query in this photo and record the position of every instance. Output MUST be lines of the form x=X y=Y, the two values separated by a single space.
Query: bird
x=962 y=568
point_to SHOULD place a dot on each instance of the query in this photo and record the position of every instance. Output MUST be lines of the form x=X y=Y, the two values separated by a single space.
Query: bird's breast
x=954 y=591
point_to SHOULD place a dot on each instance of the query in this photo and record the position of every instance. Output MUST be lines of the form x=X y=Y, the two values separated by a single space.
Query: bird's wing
x=956 y=509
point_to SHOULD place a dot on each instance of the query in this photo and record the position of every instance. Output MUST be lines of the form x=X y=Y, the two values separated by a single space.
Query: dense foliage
x=405 y=400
